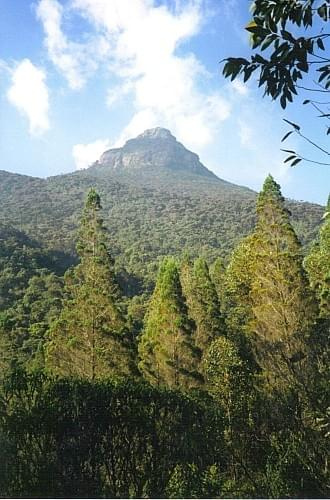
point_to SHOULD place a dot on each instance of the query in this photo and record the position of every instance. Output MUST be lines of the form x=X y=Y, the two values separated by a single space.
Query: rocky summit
x=154 y=149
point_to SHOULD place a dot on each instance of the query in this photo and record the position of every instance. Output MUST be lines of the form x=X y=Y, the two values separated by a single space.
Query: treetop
x=93 y=199
x=271 y=189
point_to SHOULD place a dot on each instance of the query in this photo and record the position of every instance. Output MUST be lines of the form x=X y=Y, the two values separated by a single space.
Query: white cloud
x=246 y=134
x=240 y=87
x=85 y=154
x=137 y=41
x=76 y=61
x=165 y=86
x=29 y=93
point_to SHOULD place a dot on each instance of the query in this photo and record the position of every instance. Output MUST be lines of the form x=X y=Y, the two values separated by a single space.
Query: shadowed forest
x=213 y=383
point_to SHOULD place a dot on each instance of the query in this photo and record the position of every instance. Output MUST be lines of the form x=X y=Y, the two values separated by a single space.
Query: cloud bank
x=139 y=43
x=85 y=154
x=29 y=94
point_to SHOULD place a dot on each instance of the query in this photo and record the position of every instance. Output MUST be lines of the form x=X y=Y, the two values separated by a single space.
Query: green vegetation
x=289 y=42
x=203 y=303
x=149 y=215
x=283 y=310
x=213 y=384
x=88 y=338
x=104 y=439
x=167 y=352
x=317 y=264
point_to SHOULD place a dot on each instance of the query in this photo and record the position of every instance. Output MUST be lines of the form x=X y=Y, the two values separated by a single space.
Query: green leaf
x=288 y=151
x=295 y=162
x=269 y=40
x=294 y=125
x=252 y=24
x=286 y=135
x=303 y=66
x=289 y=158
x=320 y=44
x=287 y=36
x=323 y=12
x=323 y=75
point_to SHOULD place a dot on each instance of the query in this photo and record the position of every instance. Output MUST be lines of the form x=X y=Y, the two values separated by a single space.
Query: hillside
x=158 y=199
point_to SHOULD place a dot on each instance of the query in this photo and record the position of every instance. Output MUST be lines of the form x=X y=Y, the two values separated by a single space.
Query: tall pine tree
x=167 y=353
x=236 y=306
x=318 y=265
x=283 y=310
x=88 y=339
x=202 y=301
x=217 y=274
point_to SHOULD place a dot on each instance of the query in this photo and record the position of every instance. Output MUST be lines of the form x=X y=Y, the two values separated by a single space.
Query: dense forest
x=151 y=210
x=210 y=381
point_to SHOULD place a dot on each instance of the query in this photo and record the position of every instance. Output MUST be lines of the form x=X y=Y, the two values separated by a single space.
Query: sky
x=78 y=77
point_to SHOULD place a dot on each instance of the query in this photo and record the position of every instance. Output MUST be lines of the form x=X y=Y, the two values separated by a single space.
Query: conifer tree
x=202 y=301
x=318 y=265
x=236 y=306
x=283 y=311
x=167 y=353
x=217 y=274
x=88 y=339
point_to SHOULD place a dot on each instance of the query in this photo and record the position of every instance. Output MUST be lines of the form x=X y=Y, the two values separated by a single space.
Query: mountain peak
x=156 y=133
x=151 y=152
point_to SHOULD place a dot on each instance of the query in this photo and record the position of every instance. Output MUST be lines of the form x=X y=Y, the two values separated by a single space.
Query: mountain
x=156 y=149
x=158 y=199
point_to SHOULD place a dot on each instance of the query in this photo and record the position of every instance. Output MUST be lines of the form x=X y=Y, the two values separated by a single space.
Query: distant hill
x=158 y=199
x=20 y=259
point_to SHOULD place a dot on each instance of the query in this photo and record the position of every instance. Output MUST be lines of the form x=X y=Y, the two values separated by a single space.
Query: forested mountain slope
x=20 y=259
x=158 y=199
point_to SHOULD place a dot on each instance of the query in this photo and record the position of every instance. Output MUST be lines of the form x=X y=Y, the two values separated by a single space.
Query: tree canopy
x=289 y=41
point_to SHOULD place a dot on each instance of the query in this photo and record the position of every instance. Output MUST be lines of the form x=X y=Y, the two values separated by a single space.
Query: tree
x=217 y=274
x=282 y=305
x=318 y=265
x=278 y=29
x=88 y=340
x=237 y=286
x=72 y=438
x=202 y=301
x=230 y=381
x=24 y=325
x=228 y=378
x=166 y=348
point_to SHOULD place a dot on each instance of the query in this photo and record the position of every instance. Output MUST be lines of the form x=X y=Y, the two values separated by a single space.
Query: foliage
x=79 y=439
x=148 y=215
x=317 y=265
x=283 y=308
x=167 y=352
x=202 y=302
x=217 y=274
x=227 y=376
x=88 y=339
x=286 y=56
x=21 y=258
x=237 y=287
x=227 y=434
x=25 y=325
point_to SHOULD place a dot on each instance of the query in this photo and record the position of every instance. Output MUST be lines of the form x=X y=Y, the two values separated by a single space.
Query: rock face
x=155 y=149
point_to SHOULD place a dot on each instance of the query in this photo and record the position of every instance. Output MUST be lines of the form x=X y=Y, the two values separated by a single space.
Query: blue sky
x=80 y=76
